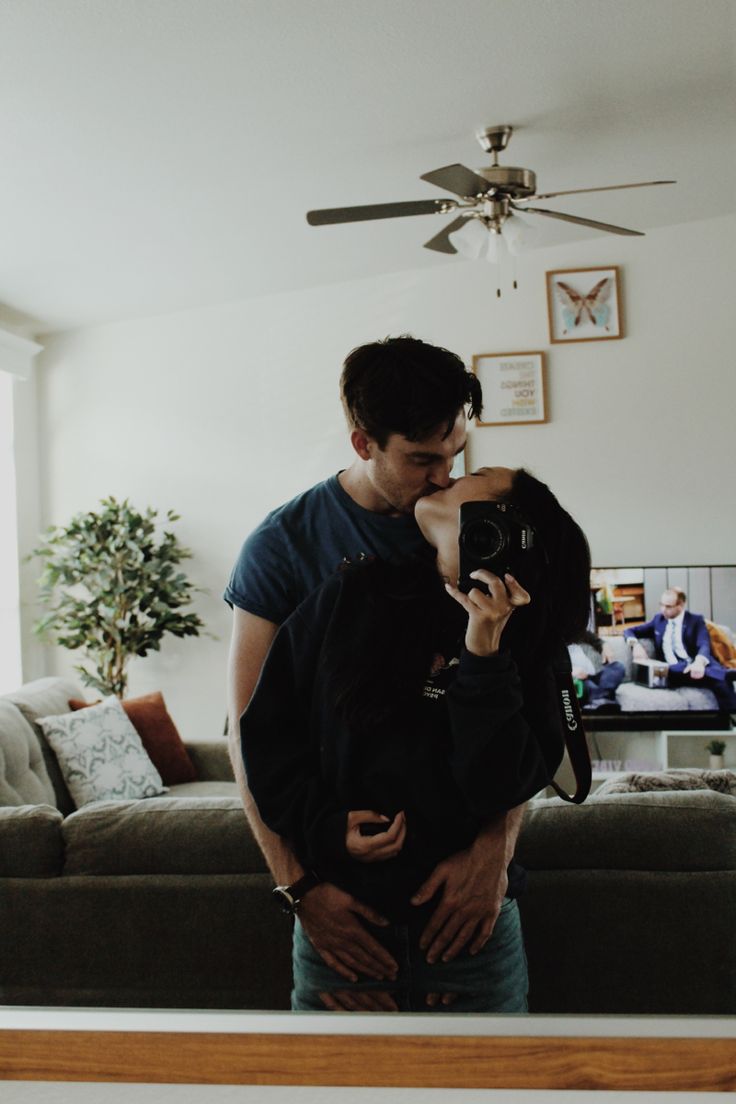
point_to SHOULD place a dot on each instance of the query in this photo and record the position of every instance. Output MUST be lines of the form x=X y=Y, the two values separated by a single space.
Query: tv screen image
x=627 y=676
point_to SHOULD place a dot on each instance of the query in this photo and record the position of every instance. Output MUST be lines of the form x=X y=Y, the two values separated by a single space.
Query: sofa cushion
x=164 y=835
x=211 y=759
x=41 y=698
x=619 y=651
x=24 y=779
x=30 y=841
x=633 y=696
x=211 y=788
x=689 y=830
x=159 y=736
x=101 y=754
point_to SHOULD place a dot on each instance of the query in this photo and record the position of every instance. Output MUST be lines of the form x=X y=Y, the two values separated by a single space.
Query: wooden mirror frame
x=574 y=1053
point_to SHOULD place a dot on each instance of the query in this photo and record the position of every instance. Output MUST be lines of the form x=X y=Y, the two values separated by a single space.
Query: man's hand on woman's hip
x=473 y=890
x=473 y=885
x=332 y=920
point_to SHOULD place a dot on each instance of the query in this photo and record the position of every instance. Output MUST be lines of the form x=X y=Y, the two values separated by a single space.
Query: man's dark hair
x=406 y=386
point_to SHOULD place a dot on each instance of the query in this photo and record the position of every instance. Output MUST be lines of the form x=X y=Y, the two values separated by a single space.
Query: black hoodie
x=449 y=737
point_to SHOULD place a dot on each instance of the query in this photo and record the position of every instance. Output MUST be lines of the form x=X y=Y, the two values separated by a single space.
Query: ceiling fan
x=490 y=202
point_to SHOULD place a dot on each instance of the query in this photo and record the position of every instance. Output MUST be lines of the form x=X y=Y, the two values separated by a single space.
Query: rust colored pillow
x=159 y=736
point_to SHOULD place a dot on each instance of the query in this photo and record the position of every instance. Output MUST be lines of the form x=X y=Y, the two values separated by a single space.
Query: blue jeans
x=493 y=980
x=605 y=683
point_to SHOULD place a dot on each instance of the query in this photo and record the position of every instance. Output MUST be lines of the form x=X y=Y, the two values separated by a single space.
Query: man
x=681 y=639
x=598 y=672
x=405 y=402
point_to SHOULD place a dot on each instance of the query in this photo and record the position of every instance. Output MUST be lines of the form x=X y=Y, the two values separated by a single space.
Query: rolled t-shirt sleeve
x=262 y=580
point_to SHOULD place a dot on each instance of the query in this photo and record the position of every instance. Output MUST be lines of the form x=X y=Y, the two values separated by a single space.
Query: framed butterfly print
x=513 y=388
x=584 y=304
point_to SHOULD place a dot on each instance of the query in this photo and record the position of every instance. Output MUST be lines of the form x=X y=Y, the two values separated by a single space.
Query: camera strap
x=572 y=726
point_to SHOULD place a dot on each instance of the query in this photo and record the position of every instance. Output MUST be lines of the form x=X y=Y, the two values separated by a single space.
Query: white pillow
x=101 y=755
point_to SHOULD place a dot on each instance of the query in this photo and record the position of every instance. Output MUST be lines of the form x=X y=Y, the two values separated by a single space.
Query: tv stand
x=617 y=751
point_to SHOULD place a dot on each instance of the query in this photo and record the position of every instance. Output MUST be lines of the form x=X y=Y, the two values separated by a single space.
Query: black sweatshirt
x=462 y=744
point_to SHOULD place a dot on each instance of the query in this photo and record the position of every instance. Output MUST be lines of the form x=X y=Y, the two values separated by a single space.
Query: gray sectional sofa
x=162 y=902
x=165 y=901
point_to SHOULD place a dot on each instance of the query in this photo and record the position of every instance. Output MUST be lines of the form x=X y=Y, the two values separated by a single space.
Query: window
x=10 y=642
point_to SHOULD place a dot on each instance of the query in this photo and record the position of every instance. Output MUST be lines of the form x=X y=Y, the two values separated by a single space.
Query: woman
x=392 y=703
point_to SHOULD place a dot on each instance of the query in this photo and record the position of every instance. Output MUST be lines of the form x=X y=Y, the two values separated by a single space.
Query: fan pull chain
x=514 y=283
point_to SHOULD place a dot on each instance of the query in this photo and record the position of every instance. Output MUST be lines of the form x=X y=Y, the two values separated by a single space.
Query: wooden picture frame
x=598 y=1053
x=584 y=304
x=514 y=388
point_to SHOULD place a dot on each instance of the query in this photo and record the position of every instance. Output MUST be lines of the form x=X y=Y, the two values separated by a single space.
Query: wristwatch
x=290 y=897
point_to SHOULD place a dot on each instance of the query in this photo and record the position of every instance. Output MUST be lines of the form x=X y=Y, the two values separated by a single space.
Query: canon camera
x=495 y=536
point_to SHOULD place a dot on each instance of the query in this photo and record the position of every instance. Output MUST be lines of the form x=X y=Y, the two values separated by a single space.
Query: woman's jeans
x=493 y=980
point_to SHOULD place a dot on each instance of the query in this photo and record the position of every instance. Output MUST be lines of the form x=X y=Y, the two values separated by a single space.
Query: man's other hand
x=473 y=884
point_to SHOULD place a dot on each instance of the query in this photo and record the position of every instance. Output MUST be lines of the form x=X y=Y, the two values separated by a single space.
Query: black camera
x=495 y=536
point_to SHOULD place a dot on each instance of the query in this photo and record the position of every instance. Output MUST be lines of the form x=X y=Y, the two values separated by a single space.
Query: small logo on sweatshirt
x=435 y=690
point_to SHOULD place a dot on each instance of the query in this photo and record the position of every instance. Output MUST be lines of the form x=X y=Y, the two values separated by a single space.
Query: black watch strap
x=290 y=896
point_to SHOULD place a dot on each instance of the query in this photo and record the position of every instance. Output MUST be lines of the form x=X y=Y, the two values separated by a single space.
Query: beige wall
x=224 y=412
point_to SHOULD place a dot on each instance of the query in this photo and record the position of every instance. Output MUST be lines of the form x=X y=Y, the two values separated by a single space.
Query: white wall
x=224 y=412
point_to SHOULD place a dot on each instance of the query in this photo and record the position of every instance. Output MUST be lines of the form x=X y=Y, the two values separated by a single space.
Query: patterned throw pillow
x=101 y=755
x=159 y=736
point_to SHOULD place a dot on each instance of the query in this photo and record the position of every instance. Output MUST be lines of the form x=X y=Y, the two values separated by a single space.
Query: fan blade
x=380 y=211
x=441 y=242
x=458 y=179
x=607 y=188
x=582 y=221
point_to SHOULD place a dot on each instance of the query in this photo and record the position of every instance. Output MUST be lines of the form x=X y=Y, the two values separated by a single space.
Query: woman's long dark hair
x=560 y=592
x=385 y=628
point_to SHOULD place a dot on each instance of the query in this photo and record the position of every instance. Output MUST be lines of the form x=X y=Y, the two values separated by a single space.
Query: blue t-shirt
x=299 y=545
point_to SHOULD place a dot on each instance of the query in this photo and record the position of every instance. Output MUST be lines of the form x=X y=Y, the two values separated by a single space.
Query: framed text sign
x=513 y=388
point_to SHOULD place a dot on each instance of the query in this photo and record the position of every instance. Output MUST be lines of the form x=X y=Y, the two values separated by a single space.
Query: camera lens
x=483 y=539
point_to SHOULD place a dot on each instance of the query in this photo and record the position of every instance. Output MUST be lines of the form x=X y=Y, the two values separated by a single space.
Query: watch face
x=285 y=900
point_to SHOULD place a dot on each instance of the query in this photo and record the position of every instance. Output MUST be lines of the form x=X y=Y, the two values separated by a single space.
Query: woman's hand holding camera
x=489 y=613
x=383 y=841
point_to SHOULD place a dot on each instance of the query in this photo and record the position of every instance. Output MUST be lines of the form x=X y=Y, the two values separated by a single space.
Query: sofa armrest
x=30 y=841
x=211 y=760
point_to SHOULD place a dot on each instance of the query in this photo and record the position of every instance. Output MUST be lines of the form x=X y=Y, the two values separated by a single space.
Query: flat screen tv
x=624 y=597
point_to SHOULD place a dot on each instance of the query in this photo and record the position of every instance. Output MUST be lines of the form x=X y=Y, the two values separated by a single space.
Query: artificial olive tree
x=113 y=589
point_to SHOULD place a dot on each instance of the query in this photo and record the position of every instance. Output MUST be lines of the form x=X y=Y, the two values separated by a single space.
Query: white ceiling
x=161 y=154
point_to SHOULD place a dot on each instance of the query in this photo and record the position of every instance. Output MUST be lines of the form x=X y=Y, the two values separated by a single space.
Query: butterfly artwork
x=582 y=308
x=576 y=307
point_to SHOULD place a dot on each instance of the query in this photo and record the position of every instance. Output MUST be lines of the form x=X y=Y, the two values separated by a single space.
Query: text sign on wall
x=513 y=388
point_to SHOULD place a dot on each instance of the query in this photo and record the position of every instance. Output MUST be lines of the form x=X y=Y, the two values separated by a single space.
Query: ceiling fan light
x=497 y=248
x=519 y=234
x=471 y=239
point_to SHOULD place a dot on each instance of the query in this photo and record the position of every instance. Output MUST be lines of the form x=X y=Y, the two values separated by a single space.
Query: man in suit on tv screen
x=681 y=639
